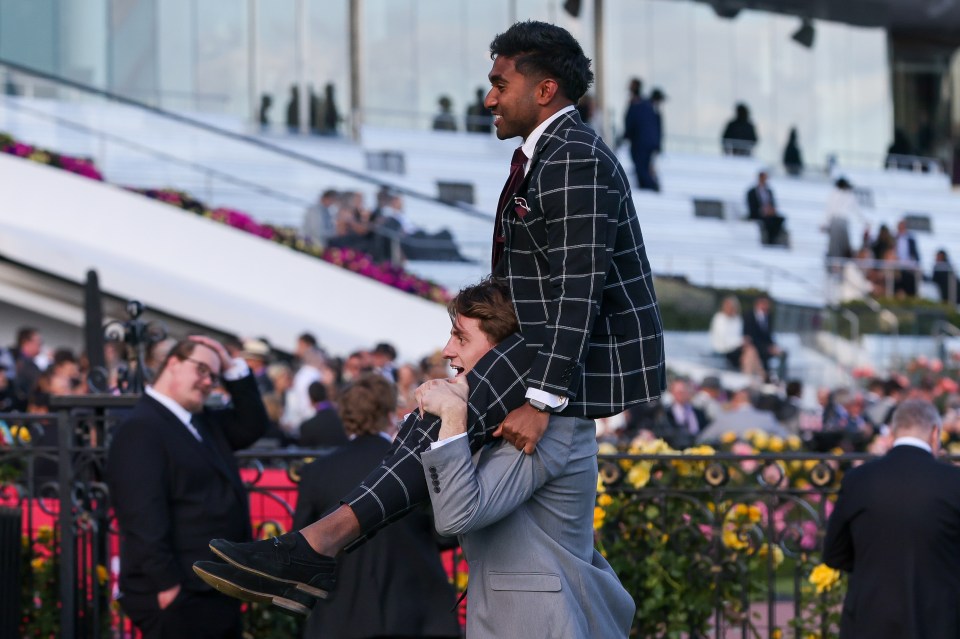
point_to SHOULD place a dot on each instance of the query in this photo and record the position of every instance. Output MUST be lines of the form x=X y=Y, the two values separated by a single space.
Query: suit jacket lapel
x=209 y=452
x=565 y=121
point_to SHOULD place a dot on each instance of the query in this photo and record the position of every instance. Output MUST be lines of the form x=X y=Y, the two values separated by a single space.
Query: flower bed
x=360 y=263
x=705 y=539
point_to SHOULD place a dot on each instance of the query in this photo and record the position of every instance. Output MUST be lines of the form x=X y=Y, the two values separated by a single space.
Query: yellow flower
x=600 y=487
x=702 y=450
x=824 y=577
x=102 y=574
x=599 y=514
x=604 y=500
x=655 y=447
x=731 y=539
x=462 y=579
x=270 y=529
x=794 y=442
x=44 y=534
x=40 y=156
x=776 y=634
x=20 y=434
x=606 y=448
x=664 y=538
x=777 y=554
x=776 y=444
x=728 y=437
x=38 y=563
x=761 y=440
x=639 y=475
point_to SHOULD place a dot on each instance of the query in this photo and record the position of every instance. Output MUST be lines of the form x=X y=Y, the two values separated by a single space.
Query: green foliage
x=695 y=551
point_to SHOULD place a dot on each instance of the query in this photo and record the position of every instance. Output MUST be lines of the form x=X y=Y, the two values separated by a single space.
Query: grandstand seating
x=139 y=148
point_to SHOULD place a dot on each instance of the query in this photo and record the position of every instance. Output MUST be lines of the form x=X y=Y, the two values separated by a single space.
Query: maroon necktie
x=517 y=163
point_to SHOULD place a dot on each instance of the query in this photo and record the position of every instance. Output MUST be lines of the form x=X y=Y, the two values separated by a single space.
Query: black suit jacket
x=172 y=494
x=896 y=529
x=579 y=275
x=760 y=336
x=392 y=585
x=322 y=430
x=755 y=206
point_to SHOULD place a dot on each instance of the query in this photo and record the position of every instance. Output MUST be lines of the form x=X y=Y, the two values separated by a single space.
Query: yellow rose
x=794 y=442
x=20 y=434
x=776 y=634
x=38 y=563
x=728 y=438
x=639 y=475
x=606 y=448
x=604 y=500
x=777 y=554
x=732 y=540
x=270 y=529
x=44 y=534
x=462 y=579
x=776 y=444
x=102 y=574
x=761 y=440
x=824 y=577
x=599 y=514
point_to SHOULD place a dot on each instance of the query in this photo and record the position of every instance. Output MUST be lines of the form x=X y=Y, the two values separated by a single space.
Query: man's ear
x=547 y=90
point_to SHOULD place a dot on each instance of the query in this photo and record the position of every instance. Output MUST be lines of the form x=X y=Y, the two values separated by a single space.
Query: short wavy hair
x=367 y=404
x=488 y=302
x=546 y=50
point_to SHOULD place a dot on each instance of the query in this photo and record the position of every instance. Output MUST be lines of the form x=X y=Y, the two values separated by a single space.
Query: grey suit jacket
x=526 y=523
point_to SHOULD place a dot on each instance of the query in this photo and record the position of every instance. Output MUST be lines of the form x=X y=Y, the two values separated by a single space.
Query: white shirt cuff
x=238 y=370
x=443 y=442
x=551 y=400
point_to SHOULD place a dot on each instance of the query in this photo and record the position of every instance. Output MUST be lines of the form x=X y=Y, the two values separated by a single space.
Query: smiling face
x=467 y=344
x=189 y=381
x=513 y=100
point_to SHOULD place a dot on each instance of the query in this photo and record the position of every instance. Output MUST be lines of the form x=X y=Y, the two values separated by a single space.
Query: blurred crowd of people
x=342 y=219
x=300 y=389
x=846 y=419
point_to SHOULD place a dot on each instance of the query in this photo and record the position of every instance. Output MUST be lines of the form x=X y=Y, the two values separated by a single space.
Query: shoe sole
x=307 y=588
x=239 y=592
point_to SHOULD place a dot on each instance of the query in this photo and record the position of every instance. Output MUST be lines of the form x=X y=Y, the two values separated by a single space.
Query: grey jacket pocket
x=526 y=581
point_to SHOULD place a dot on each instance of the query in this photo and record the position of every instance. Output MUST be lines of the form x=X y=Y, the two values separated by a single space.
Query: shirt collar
x=170 y=404
x=530 y=144
x=913 y=441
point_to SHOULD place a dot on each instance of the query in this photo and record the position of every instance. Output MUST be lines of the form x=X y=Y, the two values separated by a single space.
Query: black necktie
x=517 y=164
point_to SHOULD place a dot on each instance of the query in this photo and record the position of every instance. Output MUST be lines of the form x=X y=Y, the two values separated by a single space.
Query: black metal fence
x=709 y=543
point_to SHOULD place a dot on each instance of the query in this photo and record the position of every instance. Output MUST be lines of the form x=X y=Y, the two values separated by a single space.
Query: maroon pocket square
x=521 y=208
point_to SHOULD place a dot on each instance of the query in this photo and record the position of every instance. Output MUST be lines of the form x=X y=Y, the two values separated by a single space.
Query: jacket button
x=433 y=469
x=436 y=489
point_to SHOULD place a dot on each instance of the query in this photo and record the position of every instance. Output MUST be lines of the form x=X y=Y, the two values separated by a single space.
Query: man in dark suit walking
x=896 y=530
x=174 y=484
x=644 y=129
x=567 y=241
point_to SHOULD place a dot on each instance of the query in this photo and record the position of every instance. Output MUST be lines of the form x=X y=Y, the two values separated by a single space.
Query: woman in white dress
x=841 y=209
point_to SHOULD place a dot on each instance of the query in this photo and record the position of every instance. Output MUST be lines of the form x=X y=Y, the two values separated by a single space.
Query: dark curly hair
x=546 y=50
x=366 y=405
x=489 y=302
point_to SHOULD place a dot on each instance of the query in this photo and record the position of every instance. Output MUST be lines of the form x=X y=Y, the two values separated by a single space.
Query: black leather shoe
x=247 y=586
x=288 y=559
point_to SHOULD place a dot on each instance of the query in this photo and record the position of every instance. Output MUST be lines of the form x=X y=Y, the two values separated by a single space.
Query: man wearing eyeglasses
x=174 y=485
